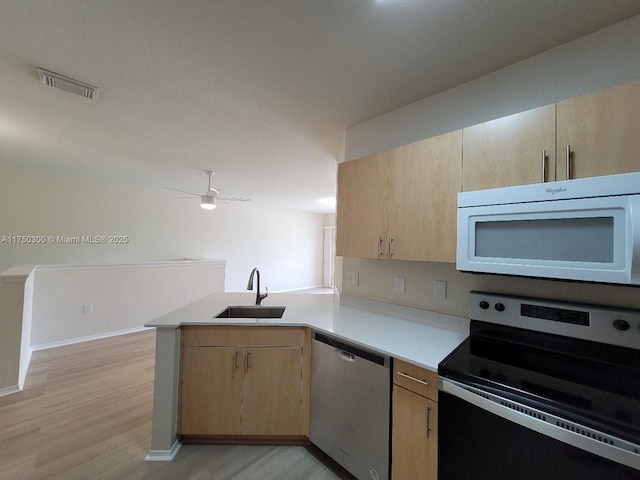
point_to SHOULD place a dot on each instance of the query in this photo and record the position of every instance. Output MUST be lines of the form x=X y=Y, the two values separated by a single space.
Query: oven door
x=479 y=439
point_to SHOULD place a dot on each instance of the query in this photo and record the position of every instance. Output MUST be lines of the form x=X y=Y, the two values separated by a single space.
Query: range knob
x=484 y=305
x=499 y=307
x=621 y=325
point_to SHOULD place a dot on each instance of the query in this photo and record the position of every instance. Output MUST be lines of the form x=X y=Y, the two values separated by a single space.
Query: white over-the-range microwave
x=586 y=229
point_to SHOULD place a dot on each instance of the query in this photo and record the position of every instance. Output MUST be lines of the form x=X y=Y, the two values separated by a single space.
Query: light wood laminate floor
x=85 y=413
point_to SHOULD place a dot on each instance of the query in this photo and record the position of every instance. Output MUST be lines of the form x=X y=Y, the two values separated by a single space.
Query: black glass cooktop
x=595 y=384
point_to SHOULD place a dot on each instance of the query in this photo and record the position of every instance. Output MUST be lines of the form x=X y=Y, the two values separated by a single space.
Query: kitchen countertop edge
x=414 y=335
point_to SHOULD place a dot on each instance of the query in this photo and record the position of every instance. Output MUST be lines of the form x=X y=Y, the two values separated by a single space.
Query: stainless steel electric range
x=541 y=390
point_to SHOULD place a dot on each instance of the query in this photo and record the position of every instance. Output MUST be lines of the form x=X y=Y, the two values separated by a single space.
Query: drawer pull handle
x=422 y=382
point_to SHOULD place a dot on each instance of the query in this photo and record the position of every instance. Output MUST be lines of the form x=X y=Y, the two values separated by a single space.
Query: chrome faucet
x=259 y=296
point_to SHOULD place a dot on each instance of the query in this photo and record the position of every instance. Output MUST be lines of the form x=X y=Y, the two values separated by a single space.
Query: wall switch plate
x=400 y=285
x=352 y=279
x=88 y=308
x=440 y=290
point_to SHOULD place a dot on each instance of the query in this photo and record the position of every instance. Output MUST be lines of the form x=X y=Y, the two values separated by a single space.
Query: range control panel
x=589 y=322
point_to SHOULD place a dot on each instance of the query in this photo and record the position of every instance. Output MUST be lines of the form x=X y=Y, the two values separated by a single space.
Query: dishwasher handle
x=353 y=351
x=346 y=356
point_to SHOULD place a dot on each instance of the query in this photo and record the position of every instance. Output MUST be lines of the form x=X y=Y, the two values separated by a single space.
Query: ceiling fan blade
x=232 y=199
x=212 y=194
x=182 y=191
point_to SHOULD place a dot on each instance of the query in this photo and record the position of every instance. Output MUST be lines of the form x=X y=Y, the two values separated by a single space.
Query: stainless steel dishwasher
x=350 y=400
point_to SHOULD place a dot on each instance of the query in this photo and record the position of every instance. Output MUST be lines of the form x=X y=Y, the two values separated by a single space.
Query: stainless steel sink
x=252 y=311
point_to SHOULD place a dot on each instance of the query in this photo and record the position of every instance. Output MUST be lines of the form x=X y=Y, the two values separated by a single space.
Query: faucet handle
x=262 y=296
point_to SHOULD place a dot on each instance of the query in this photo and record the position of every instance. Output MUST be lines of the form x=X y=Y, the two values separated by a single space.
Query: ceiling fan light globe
x=208 y=203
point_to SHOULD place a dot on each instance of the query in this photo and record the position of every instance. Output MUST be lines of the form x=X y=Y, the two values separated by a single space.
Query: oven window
x=474 y=444
x=587 y=239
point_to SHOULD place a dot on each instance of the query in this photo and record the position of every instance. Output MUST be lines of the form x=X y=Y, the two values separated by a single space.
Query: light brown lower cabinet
x=211 y=391
x=256 y=388
x=272 y=392
x=414 y=440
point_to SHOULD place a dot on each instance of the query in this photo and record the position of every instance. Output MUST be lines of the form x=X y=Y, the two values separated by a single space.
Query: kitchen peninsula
x=419 y=337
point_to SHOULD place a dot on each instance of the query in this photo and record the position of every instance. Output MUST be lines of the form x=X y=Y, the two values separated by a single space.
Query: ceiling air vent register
x=68 y=84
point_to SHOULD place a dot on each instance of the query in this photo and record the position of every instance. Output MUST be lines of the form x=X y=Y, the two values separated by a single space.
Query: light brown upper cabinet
x=401 y=204
x=599 y=133
x=588 y=136
x=361 y=210
x=424 y=180
x=516 y=150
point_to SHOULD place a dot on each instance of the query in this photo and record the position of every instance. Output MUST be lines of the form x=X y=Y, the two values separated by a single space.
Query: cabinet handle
x=247 y=365
x=402 y=374
x=380 y=241
x=428 y=424
x=237 y=361
x=390 y=246
x=568 y=162
x=544 y=166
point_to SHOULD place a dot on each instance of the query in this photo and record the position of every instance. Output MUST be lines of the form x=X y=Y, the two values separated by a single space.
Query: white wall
x=603 y=59
x=27 y=322
x=15 y=286
x=594 y=62
x=286 y=245
x=121 y=297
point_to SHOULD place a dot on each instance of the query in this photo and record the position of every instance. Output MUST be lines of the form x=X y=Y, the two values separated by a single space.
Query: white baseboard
x=9 y=390
x=163 y=455
x=71 y=341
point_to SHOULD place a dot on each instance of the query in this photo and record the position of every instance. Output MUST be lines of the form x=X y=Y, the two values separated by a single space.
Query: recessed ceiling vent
x=68 y=84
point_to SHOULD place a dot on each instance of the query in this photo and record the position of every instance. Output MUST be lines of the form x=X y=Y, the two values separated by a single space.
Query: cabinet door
x=424 y=180
x=509 y=150
x=272 y=392
x=602 y=130
x=415 y=436
x=361 y=211
x=210 y=391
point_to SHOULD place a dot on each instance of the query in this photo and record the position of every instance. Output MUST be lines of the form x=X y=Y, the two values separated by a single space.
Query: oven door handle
x=620 y=452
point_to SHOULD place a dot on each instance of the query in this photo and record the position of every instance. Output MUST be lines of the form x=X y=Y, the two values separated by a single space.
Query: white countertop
x=417 y=336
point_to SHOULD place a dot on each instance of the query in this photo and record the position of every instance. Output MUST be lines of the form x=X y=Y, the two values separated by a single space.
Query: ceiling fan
x=211 y=196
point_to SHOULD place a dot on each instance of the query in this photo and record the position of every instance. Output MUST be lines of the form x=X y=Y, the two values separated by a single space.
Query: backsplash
x=376 y=280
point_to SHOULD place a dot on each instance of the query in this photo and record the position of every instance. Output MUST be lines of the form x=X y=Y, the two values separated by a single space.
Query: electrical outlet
x=440 y=290
x=400 y=285
x=88 y=308
x=352 y=278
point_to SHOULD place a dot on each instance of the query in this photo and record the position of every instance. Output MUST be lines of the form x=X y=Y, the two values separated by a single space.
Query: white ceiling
x=259 y=91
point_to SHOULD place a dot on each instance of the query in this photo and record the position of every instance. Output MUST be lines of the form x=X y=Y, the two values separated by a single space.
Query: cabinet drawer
x=416 y=379
x=241 y=336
